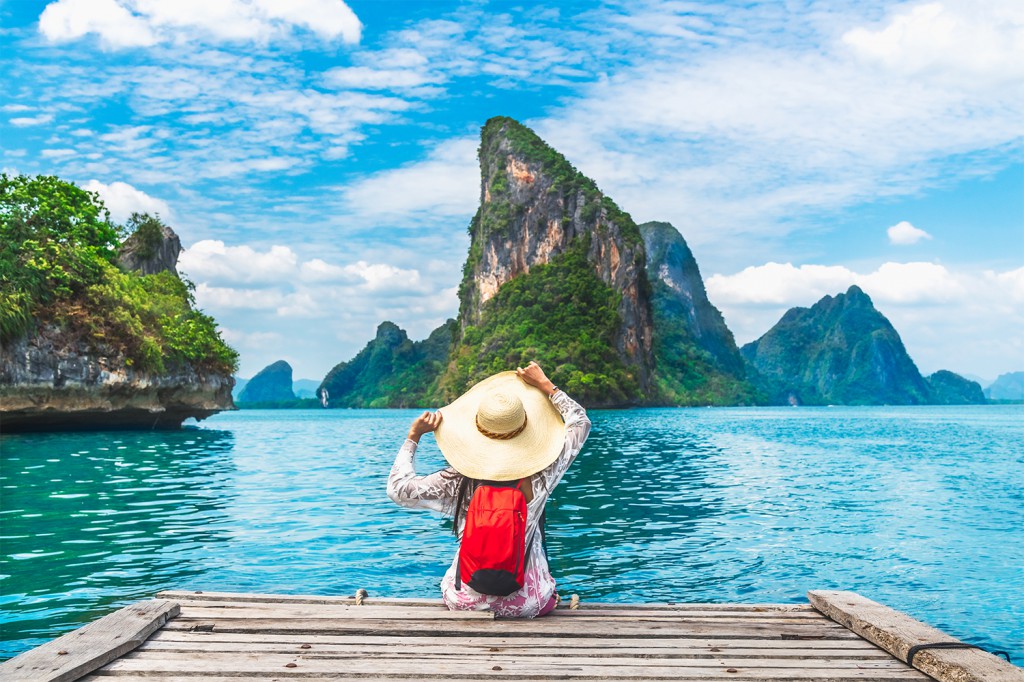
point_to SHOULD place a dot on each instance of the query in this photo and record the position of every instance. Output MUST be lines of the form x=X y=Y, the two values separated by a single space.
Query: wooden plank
x=184 y=596
x=280 y=611
x=556 y=668
x=564 y=642
x=200 y=595
x=349 y=612
x=412 y=648
x=91 y=646
x=741 y=675
x=226 y=662
x=897 y=632
x=505 y=627
x=440 y=611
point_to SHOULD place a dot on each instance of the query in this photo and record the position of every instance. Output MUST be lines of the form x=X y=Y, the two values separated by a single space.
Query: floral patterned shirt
x=437 y=491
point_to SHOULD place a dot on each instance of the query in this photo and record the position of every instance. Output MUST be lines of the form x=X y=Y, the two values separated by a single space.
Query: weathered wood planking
x=183 y=596
x=897 y=632
x=228 y=636
x=88 y=648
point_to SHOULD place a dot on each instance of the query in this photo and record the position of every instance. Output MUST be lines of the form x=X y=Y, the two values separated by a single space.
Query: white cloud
x=969 y=39
x=903 y=233
x=57 y=153
x=446 y=184
x=362 y=77
x=212 y=260
x=121 y=199
x=25 y=121
x=143 y=23
x=116 y=26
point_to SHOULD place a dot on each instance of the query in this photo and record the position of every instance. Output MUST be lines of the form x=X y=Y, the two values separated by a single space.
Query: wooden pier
x=220 y=637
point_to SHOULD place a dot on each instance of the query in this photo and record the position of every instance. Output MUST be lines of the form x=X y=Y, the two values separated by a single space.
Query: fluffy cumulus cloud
x=212 y=261
x=277 y=303
x=121 y=199
x=903 y=233
x=445 y=184
x=965 y=39
x=966 y=321
x=142 y=23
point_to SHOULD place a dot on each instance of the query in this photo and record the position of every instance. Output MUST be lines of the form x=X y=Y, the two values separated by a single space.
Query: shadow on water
x=94 y=521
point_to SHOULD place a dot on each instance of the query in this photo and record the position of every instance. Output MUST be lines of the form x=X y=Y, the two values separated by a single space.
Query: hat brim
x=474 y=455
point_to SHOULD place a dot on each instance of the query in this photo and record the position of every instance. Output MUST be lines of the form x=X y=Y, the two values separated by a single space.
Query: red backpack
x=492 y=556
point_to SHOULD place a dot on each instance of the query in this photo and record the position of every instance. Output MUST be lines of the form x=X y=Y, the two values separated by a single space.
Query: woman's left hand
x=425 y=423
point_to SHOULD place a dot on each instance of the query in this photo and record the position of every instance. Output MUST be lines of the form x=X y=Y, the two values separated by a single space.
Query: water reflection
x=95 y=520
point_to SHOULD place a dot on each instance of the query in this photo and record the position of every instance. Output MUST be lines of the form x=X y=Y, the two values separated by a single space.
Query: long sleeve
x=577 y=428
x=435 y=491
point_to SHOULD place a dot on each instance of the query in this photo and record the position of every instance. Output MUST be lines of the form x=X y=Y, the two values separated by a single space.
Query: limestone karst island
x=99 y=331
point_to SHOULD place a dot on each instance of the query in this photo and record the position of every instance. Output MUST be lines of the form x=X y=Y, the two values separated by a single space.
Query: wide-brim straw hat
x=502 y=429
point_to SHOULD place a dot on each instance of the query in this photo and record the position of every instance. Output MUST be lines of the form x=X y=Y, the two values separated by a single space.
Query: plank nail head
x=291 y=665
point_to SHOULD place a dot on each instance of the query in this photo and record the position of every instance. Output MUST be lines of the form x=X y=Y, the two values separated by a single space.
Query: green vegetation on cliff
x=391 y=371
x=696 y=358
x=271 y=385
x=840 y=351
x=58 y=250
x=563 y=316
x=563 y=178
x=949 y=388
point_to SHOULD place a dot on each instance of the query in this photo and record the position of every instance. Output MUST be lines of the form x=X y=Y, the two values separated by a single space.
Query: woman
x=512 y=426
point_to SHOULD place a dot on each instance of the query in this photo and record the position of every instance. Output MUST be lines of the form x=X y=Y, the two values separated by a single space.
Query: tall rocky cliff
x=555 y=272
x=697 y=361
x=839 y=351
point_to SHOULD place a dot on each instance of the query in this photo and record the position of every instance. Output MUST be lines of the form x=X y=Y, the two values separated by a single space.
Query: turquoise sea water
x=919 y=508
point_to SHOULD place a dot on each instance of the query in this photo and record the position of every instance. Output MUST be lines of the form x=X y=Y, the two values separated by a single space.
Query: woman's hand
x=533 y=375
x=425 y=423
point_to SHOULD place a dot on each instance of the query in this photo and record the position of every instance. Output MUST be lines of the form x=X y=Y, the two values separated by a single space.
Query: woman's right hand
x=533 y=375
x=425 y=423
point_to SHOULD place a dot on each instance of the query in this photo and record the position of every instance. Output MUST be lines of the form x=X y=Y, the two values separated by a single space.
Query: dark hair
x=467 y=486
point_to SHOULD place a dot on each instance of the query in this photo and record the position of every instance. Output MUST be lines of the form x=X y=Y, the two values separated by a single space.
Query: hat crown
x=500 y=413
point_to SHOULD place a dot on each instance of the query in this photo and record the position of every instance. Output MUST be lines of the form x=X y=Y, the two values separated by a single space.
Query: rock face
x=51 y=383
x=391 y=371
x=53 y=379
x=697 y=361
x=1009 y=386
x=949 y=388
x=536 y=212
x=149 y=252
x=271 y=384
x=839 y=351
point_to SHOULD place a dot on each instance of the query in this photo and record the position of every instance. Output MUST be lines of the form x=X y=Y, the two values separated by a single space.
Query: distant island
x=617 y=312
x=96 y=327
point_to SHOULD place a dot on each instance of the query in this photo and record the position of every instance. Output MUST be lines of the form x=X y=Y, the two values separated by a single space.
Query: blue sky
x=318 y=158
